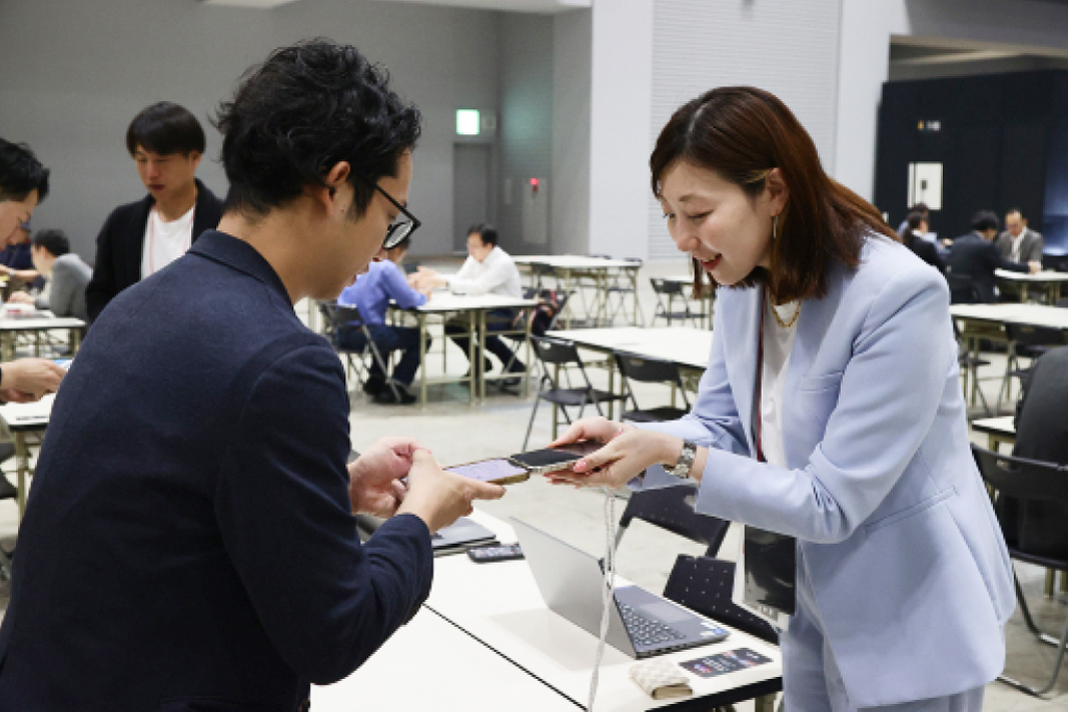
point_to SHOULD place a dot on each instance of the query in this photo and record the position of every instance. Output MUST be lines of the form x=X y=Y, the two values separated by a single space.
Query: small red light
x=534 y=182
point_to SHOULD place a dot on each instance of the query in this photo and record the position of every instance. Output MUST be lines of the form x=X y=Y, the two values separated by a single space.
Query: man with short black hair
x=66 y=272
x=976 y=256
x=488 y=269
x=190 y=540
x=137 y=240
x=23 y=184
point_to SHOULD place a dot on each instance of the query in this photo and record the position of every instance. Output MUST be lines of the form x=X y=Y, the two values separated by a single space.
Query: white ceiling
x=542 y=6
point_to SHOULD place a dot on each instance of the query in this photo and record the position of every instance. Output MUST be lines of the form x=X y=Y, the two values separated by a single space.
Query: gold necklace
x=793 y=319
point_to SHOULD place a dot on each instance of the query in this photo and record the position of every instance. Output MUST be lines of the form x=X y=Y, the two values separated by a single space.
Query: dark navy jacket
x=978 y=258
x=121 y=243
x=188 y=543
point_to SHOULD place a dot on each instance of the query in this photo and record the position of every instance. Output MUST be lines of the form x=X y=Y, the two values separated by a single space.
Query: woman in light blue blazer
x=831 y=411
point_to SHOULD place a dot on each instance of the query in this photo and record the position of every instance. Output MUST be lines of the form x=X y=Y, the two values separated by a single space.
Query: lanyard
x=760 y=381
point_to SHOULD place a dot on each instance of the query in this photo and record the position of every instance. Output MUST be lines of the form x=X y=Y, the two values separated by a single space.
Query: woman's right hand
x=596 y=428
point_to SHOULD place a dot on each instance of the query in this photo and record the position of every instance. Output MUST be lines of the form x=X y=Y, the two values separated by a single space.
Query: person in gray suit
x=67 y=275
x=1018 y=242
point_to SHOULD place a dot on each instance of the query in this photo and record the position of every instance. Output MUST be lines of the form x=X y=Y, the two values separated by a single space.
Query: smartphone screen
x=496 y=470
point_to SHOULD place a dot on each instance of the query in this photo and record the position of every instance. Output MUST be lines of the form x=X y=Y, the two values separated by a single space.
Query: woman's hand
x=627 y=453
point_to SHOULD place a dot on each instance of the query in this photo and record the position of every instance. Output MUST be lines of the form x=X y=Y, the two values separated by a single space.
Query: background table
x=473 y=307
x=686 y=346
x=11 y=328
x=25 y=420
x=569 y=269
x=1047 y=282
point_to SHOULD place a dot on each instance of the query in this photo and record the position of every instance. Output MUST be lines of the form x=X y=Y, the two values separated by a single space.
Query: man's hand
x=439 y=498
x=30 y=377
x=375 y=485
x=20 y=298
x=1035 y=266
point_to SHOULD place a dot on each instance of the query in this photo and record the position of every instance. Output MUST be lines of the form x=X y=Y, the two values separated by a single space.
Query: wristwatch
x=685 y=464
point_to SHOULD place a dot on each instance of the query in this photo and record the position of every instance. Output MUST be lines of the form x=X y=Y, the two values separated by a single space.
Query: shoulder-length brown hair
x=742 y=133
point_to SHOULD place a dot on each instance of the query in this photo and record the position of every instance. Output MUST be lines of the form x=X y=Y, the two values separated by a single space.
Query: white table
x=686 y=346
x=23 y=420
x=474 y=307
x=1027 y=314
x=1001 y=429
x=430 y=664
x=11 y=327
x=569 y=268
x=499 y=604
x=1048 y=281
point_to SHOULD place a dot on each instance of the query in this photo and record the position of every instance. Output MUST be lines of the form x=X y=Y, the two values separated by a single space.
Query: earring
x=774 y=227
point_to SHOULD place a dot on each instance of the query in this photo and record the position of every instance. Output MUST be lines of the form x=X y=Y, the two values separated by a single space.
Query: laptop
x=641 y=624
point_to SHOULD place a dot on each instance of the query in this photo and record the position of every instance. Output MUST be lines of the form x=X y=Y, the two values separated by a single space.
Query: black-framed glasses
x=400 y=229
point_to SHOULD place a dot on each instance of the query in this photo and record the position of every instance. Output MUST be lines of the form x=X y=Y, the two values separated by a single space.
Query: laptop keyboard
x=647 y=631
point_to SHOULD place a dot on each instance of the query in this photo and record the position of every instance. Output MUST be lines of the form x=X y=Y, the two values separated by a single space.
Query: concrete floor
x=457 y=432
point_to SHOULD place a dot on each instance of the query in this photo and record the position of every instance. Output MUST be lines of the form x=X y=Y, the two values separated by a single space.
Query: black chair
x=962 y=290
x=649 y=370
x=969 y=368
x=336 y=317
x=704 y=584
x=1029 y=342
x=666 y=293
x=561 y=362
x=1028 y=480
x=671 y=508
x=621 y=290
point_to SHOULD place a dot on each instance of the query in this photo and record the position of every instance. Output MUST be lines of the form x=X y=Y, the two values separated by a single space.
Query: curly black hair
x=306 y=108
x=21 y=172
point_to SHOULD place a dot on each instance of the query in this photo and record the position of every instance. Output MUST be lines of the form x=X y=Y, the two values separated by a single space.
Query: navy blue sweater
x=188 y=542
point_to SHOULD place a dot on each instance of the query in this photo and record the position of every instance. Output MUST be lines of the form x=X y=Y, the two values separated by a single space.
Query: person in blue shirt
x=371 y=295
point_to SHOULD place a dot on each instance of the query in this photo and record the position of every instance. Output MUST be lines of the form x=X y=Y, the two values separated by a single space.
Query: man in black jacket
x=976 y=256
x=138 y=239
x=189 y=542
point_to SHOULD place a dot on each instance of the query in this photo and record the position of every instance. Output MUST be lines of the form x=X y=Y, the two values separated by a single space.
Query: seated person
x=15 y=258
x=1041 y=434
x=371 y=294
x=913 y=237
x=487 y=270
x=976 y=255
x=66 y=272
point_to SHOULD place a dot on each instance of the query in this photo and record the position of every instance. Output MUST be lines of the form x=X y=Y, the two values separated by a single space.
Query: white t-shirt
x=778 y=343
x=165 y=241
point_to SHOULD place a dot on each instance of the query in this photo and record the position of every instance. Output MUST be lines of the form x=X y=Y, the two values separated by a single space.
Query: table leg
x=74 y=338
x=422 y=358
x=1051 y=575
x=473 y=379
x=22 y=467
x=7 y=345
x=530 y=362
x=482 y=353
x=764 y=703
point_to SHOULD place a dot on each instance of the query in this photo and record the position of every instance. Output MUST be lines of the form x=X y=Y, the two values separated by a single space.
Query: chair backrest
x=704 y=584
x=555 y=351
x=962 y=290
x=1021 y=477
x=671 y=508
x=1028 y=335
x=648 y=370
x=661 y=286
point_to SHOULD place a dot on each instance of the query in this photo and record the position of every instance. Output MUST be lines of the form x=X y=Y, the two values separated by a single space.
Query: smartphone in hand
x=498 y=471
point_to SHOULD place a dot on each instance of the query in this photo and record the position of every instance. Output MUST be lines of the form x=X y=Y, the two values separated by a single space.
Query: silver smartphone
x=555 y=459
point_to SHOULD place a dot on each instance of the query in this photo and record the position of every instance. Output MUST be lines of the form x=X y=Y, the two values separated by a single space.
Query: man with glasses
x=190 y=540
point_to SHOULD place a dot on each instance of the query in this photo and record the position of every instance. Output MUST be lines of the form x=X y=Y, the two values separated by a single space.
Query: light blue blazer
x=905 y=556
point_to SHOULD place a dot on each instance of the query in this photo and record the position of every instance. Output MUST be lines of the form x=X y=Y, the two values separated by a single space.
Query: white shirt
x=165 y=241
x=1014 y=254
x=778 y=343
x=497 y=274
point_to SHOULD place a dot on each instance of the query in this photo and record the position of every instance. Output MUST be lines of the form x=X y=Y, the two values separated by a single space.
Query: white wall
x=788 y=47
x=620 y=106
x=866 y=30
x=526 y=127
x=75 y=74
x=570 y=189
